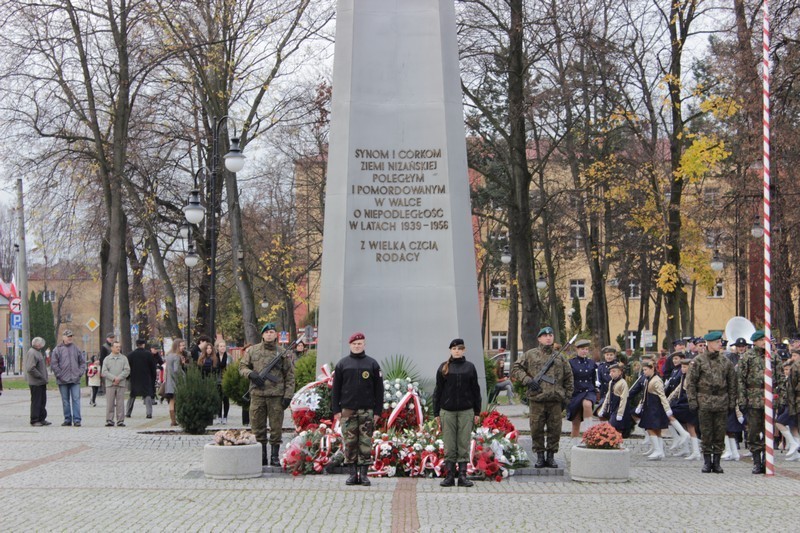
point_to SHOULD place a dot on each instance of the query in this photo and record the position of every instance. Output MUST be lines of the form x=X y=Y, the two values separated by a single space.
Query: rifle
x=265 y=372
x=534 y=384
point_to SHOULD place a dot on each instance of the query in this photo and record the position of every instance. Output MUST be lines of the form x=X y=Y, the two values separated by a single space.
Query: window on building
x=711 y=195
x=577 y=289
x=67 y=319
x=634 y=290
x=49 y=296
x=499 y=291
x=718 y=291
x=577 y=241
x=499 y=340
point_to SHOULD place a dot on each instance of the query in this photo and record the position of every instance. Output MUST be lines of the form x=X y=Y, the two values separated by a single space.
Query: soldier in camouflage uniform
x=268 y=400
x=546 y=404
x=751 y=398
x=357 y=401
x=793 y=390
x=711 y=390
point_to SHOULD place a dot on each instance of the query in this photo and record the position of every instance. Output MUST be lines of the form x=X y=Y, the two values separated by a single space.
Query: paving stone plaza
x=95 y=478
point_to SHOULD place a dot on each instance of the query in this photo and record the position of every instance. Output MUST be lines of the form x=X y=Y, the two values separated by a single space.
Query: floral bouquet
x=419 y=453
x=602 y=437
x=403 y=405
x=495 y=454
x=234 y=437
x=311 y=451
x=312 y=403
x=497 y=420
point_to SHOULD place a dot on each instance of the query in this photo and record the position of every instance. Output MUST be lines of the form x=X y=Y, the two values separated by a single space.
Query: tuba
x=739 y=326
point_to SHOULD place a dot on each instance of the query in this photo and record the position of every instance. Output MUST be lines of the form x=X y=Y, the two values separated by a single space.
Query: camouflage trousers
x=263 y=408
x=357 y=429
x=545 y=419
x=755 y=430
x=712 y=430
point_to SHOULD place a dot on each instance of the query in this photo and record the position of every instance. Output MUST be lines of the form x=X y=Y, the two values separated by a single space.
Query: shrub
x=490 y=367
x=234 y=385
x=602 y=437
x=305 y=370
x=196 y=401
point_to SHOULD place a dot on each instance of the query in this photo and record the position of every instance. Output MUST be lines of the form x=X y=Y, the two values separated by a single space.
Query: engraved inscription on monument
x=398 y=196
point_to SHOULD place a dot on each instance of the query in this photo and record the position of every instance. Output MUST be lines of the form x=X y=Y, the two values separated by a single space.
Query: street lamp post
x=194 y=211
x=190 y=260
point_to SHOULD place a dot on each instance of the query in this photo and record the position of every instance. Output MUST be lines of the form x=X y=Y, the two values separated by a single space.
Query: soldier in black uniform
x=357 y=401
x=604 y=371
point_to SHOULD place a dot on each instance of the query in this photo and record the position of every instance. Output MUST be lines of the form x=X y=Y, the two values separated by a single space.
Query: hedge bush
x=305 y=369
x=196 y=401
x=234 y=385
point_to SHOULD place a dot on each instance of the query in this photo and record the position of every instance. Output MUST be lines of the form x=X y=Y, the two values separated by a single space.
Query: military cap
x=678 y=341
x=583 y=343
x=676 y=354
x=358 y=336
x=713 y=336
x=547 y=330
x=703 y=339
x=454 y=343
x=686 y=361
x=618 y=366
x=647 y=364
x=740 y=342
x=787 y=364
x=608 y=349
x=758 y=335
x=268 y=326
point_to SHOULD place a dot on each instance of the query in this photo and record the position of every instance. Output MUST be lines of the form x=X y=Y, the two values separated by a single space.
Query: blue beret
x=713 y=336
x=547 y=330
x=758 y=335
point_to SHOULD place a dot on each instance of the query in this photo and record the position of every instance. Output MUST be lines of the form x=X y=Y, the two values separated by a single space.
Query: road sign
x=16 y=321
x=284 y=337
x=92 y=324
x=15 y=305
x=134 y=330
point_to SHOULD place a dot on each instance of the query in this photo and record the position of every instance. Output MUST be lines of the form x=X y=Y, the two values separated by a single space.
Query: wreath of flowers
x=312 y=451
x=602 y=437
x=312 y=403
x=402 y=405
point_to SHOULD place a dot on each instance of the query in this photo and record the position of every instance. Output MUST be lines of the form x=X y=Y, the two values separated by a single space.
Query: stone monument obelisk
x=398 y=258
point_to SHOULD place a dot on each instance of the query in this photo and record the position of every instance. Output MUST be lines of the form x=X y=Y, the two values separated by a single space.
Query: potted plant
x=234 y=454
x=601 y=457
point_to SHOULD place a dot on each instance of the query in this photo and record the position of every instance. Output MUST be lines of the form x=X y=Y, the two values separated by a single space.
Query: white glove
x=741 y=419
x=669 y=413
x=597 y=384
x=638 y=410
x=619 y=418
x=601 y=413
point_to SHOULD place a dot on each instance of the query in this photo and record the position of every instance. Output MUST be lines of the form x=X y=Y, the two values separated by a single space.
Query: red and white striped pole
x=769 y=430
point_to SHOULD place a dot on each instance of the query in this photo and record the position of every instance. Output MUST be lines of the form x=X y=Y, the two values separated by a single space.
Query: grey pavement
x=95 y=478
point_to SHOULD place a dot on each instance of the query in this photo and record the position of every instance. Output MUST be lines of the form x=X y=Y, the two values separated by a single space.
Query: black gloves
x=285 y=402
x=256 y=380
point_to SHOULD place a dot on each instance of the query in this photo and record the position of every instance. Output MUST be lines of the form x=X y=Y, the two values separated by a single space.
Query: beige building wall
x=80 y=303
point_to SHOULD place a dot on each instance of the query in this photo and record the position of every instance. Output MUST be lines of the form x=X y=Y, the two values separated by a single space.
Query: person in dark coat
x=654 y=410
x=142 y=378
x=584 y=393
x=604 y=371
x=679 y=402
x=457 y=406
x=673 y=379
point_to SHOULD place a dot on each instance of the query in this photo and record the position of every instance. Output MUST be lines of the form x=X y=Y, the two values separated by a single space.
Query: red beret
x=356 y=337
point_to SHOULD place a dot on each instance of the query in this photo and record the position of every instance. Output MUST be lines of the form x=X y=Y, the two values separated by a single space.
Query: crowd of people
x=710 y=399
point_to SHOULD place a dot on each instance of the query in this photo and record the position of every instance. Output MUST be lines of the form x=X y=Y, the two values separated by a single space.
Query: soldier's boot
x=550 y=461
x=758 y=464
x=353 y=479
x=715 y=464
x=540 y=462
x=363 y=477
x=450 y=477
x=274 y=460
x=706 y=463
x=462 y=475
x=264 y=460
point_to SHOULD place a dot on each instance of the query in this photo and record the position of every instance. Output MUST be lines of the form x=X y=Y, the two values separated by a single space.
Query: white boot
x=674 y=438
x=695 y=455
x=791 y=442
x=734 y=449
x=683 y=435
x=658 y=454
x=648 y=444
x=684 y=450
x=726 y=455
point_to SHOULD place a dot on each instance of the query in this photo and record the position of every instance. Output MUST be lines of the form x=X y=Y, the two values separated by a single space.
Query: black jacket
x=357 y=384
x=459 y=389
x=143 y=372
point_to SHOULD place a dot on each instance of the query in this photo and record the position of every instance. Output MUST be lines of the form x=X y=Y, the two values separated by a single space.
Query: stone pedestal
x=600 y=466
x=398 y=251
x=232 y=462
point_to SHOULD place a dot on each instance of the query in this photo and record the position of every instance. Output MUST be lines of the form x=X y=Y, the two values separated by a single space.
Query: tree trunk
x=138 y=297
x=124 y=302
